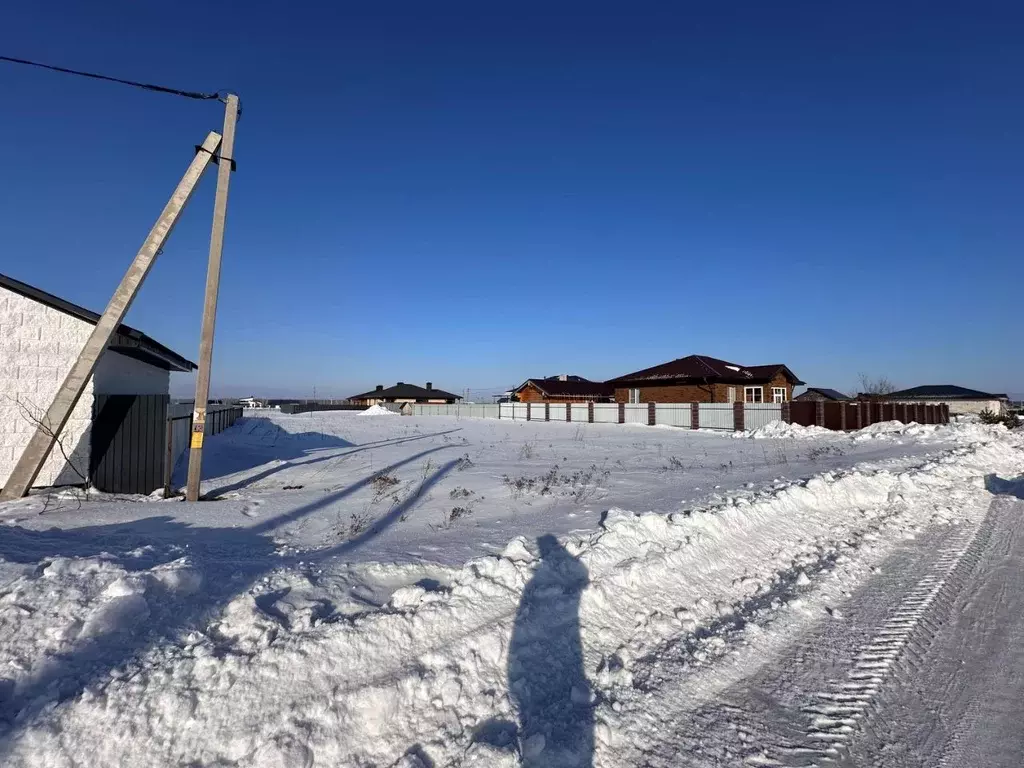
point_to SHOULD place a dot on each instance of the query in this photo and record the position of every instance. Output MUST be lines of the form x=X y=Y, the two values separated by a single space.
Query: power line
x=93 y=75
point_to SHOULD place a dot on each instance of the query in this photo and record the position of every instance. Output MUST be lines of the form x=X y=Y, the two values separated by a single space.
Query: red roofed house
x=563 y=389
x=702 y=379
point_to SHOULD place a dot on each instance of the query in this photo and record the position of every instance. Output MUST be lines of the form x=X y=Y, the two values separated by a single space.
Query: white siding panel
x=716 y=416
x=556 y=411
x=758 y=414
x=672 y=414
x=606 y=413
x=580 y=412
x=636 y=413
x=519 y=411
x=505 y=410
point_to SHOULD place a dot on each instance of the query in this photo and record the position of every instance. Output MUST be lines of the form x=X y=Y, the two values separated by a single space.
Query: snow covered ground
x=398 y=591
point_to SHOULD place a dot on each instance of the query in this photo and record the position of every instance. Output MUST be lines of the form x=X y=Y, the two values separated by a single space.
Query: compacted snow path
x=773 y=622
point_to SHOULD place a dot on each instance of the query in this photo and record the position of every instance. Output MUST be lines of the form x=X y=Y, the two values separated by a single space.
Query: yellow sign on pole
x=197 y=440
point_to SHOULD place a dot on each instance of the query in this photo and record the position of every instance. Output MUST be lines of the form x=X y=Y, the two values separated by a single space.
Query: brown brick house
x=703 y=379
x=563 y=389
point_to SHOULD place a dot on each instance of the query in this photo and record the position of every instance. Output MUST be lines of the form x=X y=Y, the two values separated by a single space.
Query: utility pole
x=220 y=209
x=50 y=427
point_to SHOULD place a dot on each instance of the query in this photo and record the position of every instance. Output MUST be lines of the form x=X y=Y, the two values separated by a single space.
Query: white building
x=959 y=399
x=41 y=336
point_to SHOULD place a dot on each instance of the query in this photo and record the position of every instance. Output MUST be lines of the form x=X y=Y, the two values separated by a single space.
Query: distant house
x=813 y=394
x=959 y=399
x=703 y=379
x=404 y=393
x=564 y=389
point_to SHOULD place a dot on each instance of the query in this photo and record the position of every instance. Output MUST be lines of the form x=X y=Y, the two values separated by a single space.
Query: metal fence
x=178 y=433
x=716 y=416
x=720 y=416
x=758 y=414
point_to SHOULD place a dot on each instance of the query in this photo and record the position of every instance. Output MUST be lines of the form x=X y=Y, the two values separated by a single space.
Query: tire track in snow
x=839 y=712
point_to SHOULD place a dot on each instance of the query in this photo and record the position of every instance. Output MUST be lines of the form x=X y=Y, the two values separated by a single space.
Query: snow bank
x=440 y=673
x=377 y=410
x=785 y=429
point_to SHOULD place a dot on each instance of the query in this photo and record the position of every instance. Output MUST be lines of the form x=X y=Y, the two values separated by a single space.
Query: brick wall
x=701 y=393
x=38 y=345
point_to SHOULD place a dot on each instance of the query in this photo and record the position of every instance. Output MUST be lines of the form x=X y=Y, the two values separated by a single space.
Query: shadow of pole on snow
x=227 y=560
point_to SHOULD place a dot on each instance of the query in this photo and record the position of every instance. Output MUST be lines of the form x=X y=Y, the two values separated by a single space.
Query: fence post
x=568 y=411
x=547 y=412
x=787 y=412
x=652 y=415
x=622 y=413
x=168 y=455
x=590 y=412
x=738 y=416
x=842 y=415
x=694 y=415
x=528 y=410
x=819 y=413
x=860 y=414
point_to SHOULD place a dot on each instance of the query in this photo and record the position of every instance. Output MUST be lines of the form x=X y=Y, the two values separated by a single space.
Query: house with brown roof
x=703 y=379
x=563 y=389
x=404 y=393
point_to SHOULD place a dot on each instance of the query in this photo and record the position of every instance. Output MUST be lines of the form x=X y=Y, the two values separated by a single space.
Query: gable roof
x=553 y=386
x=126 y=341
x=831 y=394
x=944 y=392
x=404 y=391
x=703 y=367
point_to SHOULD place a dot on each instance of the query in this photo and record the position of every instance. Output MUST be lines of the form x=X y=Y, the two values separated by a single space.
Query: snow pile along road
x=785 y=429
x=377 y=410
x=534 y=650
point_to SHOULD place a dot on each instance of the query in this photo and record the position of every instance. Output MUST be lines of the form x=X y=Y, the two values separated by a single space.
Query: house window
x=634 y=395
x=753 y=394
x=778 y=394
x=730 y=395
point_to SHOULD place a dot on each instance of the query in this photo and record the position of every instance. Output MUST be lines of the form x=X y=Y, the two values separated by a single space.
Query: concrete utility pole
x=220 y=210
x=48 y=430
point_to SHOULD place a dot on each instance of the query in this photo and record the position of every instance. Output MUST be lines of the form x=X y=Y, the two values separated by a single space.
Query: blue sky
x=472 y=195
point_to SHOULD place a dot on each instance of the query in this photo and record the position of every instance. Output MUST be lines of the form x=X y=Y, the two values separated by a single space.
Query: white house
x=959 y=399
x=41 y=335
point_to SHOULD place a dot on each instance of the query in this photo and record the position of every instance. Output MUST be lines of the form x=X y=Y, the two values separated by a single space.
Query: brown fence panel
x=834 y=415
x=803 y=412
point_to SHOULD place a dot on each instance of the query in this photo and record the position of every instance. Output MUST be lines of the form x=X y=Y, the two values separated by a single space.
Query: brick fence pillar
x=590 y=412
x=622 y=413
x=694 y=415
x=651 y=415
x=528 y=410
x=547 y=411
x=568 y=411
x=842 y=415
x=787 y=413
x=819 y=412
x=738 y=416
x=860 y=415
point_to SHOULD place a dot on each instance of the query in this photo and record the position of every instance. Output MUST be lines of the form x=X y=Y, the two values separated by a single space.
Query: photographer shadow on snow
x=546 y=676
